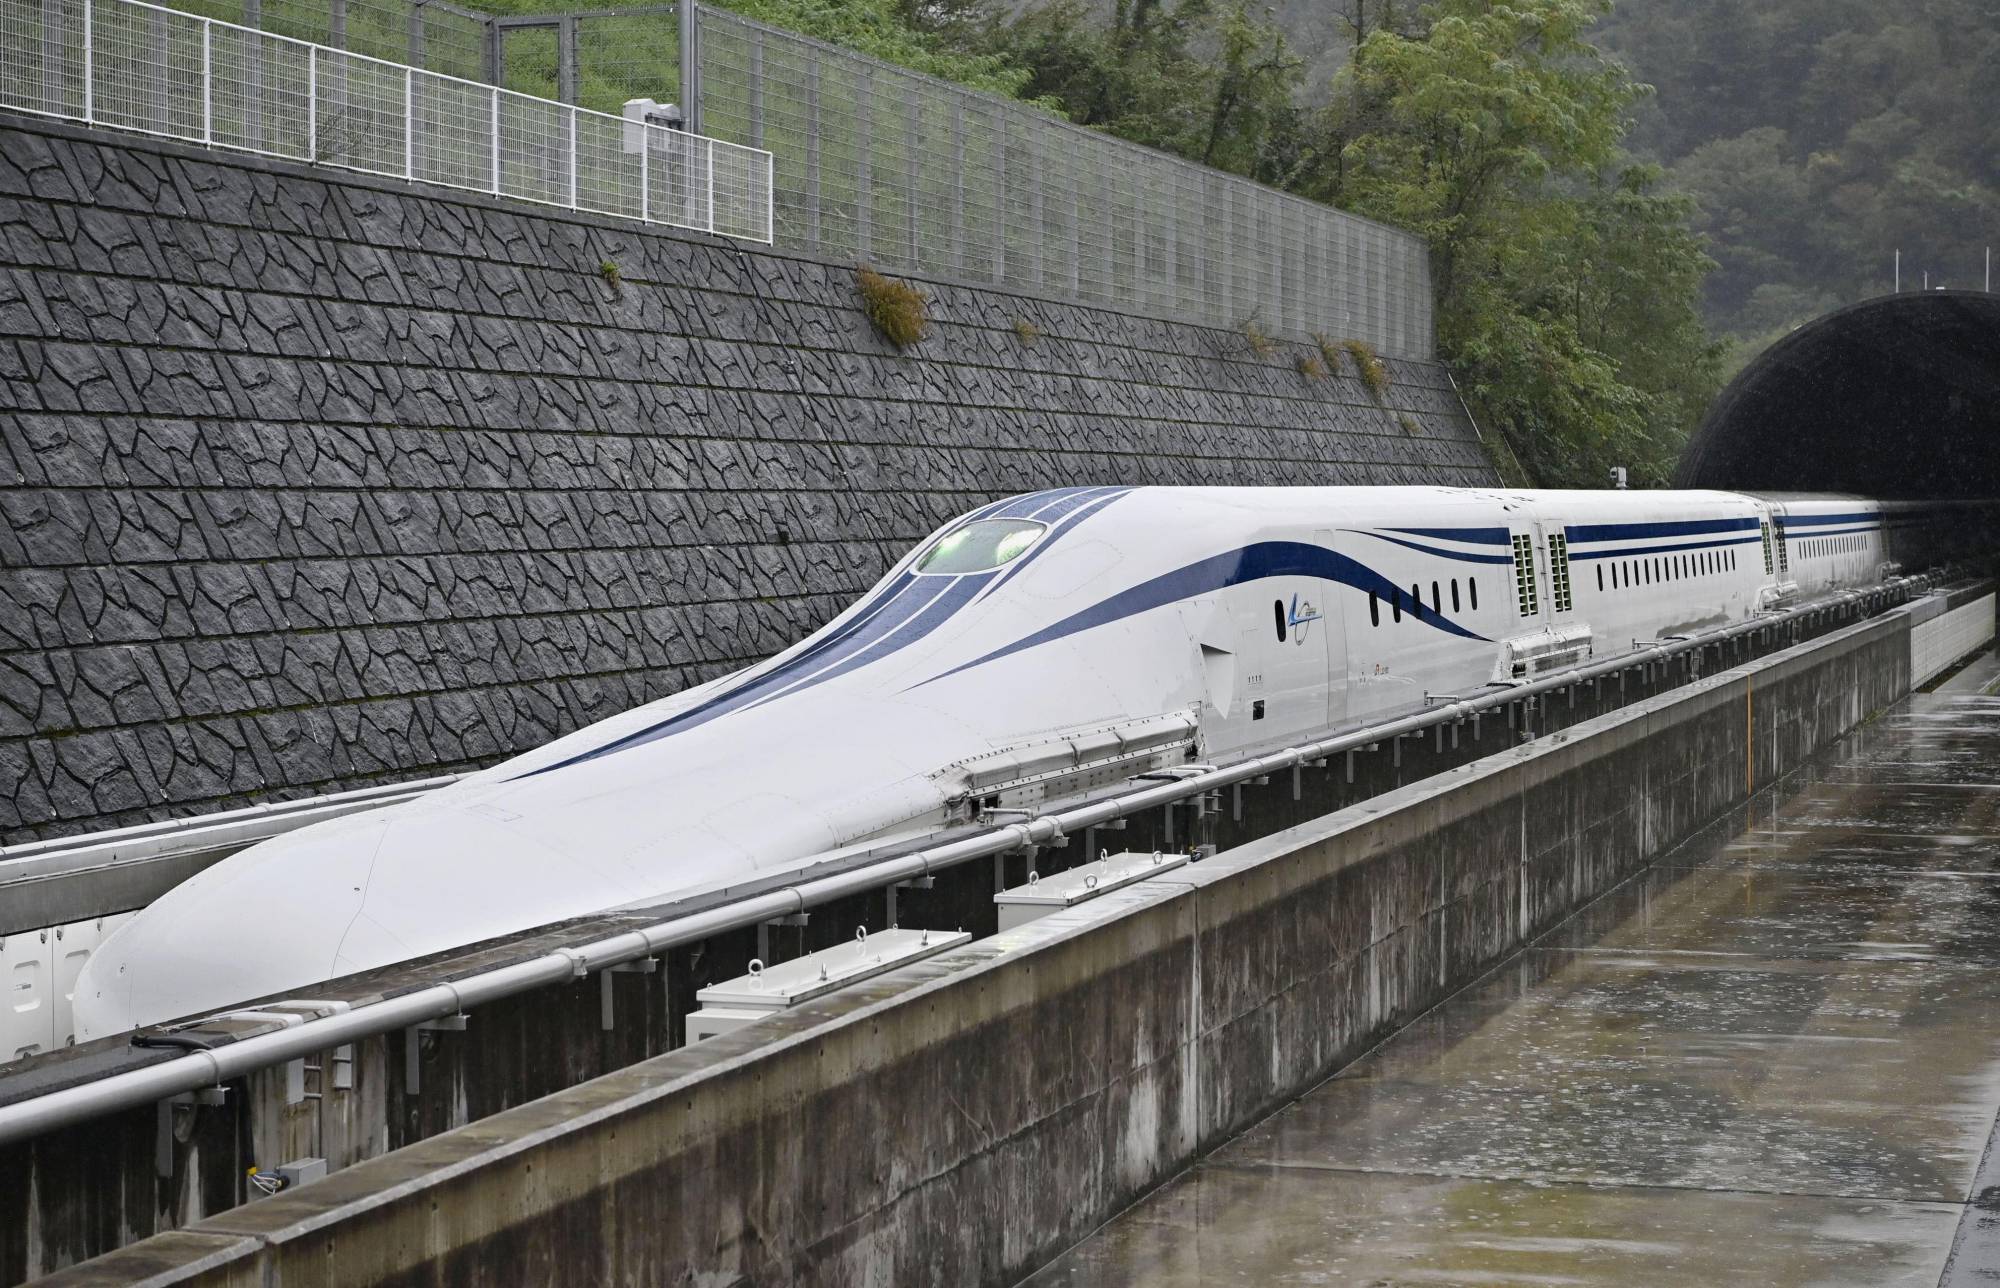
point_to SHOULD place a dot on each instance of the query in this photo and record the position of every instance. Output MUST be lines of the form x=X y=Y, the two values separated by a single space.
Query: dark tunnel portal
x=1896 y=397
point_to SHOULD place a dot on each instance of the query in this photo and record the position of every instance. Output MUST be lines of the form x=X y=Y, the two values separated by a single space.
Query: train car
x=1037 y=648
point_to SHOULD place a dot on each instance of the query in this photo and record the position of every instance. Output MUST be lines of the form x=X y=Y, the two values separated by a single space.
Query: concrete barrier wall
x=962 y=1120
x=1942 y=640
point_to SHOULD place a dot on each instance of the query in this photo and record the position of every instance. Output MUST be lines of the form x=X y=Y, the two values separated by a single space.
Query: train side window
x=1278 y=612
x=1472 y=589
x=1437 y=600
x=1600 y=578
x=1416 y=602
x=1454 y=594
x=1396 y=605
x=1374 y=609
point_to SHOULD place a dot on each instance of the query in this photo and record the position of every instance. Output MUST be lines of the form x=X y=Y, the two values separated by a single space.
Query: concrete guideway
x=1771 y=1058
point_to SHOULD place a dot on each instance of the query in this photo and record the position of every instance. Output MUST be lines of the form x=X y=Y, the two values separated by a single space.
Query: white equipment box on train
x=1044 y=895
x=736 y=1002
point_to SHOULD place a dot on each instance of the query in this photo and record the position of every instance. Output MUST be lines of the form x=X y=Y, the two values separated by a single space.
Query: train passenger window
x=1374 y=609
x=1396 y=605
x=1437 y=600
x=1454 y=594
x=1600 y=577
x=980 y=546
x=1472 y=589
x=1416 y=602
x=1278 y=611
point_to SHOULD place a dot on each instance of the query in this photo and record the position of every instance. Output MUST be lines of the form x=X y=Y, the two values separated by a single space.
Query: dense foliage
x=1567 y=280
x=1818 y=137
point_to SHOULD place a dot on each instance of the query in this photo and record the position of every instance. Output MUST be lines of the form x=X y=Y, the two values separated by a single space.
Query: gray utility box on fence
x=734 y=1003
x=1044 y=895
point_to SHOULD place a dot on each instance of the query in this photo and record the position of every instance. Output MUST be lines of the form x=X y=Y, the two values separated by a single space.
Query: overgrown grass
x=900 y=311
x=1373 y=373
x=1329 y=352
x=1311 y=366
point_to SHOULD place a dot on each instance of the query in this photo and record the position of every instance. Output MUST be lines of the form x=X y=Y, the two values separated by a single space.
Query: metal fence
x=592 y=58
x=905 y=171
x=139 y=66
x=872 y=162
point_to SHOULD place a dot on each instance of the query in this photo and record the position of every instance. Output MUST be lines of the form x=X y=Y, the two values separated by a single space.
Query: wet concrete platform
x=1772 y=1059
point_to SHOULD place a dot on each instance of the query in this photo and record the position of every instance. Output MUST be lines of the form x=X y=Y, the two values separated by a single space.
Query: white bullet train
x=1034 y=649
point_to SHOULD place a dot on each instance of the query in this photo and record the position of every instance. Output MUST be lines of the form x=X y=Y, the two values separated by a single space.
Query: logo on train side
x=1300 y=618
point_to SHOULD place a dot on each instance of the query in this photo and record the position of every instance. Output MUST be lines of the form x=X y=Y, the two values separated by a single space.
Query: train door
x=1261 y=653
x=1337 y=613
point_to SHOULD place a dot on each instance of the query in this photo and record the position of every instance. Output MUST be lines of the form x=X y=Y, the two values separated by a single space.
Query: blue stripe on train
x=1218 y=572
x=1461 y=556
x=1628 y=552
x=1640 y=531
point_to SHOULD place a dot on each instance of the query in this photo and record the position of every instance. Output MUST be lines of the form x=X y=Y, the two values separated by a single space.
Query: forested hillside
x=1568 y=279
x=1817 y=138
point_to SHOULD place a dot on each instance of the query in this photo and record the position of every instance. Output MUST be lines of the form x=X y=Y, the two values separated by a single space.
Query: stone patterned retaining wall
x=309 y=481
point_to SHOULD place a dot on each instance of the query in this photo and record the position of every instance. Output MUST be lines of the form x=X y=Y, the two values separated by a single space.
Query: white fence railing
x=142 y=67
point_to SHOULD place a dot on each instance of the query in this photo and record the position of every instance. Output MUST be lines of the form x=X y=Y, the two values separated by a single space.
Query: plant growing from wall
x=1409 y=424
x=1311 y=366
x=1027 y=332
x=1260 y=343
x=1329 y=352
x=1370 y=368
x=613 y=277
x=900 y=311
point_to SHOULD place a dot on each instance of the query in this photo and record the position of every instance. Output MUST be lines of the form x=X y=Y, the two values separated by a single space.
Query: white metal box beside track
x=1044 y=895
x=734 y=1003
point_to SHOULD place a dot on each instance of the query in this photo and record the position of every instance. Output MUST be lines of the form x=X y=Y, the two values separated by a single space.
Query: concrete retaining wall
x=310 y=481
x=962 y=1120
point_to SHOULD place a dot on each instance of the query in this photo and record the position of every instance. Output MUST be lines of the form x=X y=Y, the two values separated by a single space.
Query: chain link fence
x=873 y=163
x=905 y=171
x=138 y=66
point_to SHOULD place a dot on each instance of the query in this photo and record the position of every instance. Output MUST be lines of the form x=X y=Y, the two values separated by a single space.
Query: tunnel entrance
x=1895 y=397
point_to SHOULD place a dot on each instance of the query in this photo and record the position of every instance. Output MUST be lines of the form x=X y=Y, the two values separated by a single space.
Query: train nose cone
x=262 y=922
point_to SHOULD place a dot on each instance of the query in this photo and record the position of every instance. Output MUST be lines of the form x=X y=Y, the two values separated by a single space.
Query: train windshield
x=980 y=546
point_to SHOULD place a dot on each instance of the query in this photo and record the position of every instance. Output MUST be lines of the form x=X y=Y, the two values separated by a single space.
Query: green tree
x=1566 y=281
